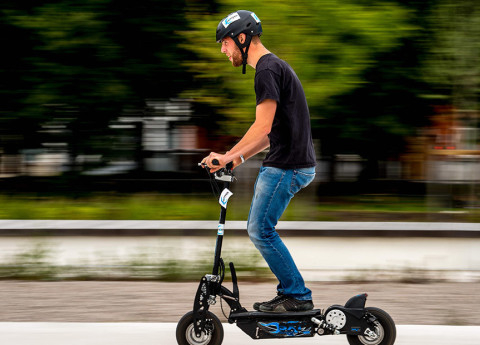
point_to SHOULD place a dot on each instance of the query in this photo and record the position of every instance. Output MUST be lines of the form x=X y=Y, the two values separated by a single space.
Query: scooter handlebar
x=229 y=165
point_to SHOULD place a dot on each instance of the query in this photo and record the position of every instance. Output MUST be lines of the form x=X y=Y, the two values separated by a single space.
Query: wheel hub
x=374 y=337
x=336 y=318
x=192 y=338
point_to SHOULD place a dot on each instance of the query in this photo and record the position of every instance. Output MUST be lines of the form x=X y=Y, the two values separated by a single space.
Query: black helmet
x=238 y=22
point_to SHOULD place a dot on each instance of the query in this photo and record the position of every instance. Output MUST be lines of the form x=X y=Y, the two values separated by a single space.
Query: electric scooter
x=361 y=325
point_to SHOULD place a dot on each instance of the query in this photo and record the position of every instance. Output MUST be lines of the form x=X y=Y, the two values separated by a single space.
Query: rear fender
x=349 y=319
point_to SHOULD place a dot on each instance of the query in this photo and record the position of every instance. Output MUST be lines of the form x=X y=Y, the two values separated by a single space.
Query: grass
x=115 y=207
x=35 y=263
x=30 y=264
x=193 y=207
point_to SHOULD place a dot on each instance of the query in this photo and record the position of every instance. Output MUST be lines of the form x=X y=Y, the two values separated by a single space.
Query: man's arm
x=255 y=139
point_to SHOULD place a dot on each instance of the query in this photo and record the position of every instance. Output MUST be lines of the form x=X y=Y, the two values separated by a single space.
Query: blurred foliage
x=36 y=262
x=329 y=44
x=111 y=206
x=31 y=264
x=381 y=207
x=85 y=61
x=371 y=69
x=147 y=266
x=452 y=63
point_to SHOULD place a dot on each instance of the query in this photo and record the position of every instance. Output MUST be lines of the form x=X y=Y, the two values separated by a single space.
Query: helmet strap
x=246 y=45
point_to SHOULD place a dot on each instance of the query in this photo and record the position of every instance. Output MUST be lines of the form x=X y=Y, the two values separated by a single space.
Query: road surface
x=54 y=333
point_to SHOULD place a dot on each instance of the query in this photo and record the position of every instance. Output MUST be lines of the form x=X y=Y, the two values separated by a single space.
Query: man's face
x=233 y=53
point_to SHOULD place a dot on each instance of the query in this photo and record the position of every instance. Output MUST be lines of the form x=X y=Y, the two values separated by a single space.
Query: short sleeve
x=266 y=86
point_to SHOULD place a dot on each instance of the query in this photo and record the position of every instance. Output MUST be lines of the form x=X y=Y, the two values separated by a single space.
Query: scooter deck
x=277 y=316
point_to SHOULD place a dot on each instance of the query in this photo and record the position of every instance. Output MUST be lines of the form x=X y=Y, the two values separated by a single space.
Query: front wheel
x=383 y=332
x=186 y=332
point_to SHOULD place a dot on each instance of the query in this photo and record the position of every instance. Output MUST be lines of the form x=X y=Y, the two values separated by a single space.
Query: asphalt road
x=54 y=333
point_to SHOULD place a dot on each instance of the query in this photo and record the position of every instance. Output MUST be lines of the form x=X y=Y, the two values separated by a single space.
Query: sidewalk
x=164 y=333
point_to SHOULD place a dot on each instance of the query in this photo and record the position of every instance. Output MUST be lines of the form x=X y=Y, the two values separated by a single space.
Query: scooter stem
x=221 y=226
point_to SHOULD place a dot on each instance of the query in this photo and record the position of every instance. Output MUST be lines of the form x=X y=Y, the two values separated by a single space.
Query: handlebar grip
x=229 y=165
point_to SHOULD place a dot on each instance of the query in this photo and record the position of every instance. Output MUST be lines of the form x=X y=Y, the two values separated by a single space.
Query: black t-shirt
x=291 y=144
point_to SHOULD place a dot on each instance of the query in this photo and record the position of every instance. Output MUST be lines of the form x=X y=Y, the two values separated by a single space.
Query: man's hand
x=208 y=161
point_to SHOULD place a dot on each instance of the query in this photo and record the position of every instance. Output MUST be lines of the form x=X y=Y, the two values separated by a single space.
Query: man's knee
x=254 y=232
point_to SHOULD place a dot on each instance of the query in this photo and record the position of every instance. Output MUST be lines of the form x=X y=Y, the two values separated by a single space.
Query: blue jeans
x=274 y=189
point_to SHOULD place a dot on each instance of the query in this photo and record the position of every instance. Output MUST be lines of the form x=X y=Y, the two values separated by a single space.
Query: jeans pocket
x=271 y=171
x=301 y=179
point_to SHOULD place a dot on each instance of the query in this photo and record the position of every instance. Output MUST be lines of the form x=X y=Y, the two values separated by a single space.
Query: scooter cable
x=213 y=183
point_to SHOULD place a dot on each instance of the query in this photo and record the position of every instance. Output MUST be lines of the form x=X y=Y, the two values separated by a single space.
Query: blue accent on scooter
x=287 y=329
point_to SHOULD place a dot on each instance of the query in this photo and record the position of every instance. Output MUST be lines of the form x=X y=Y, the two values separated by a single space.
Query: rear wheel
x=186 y=332
x=383 y=332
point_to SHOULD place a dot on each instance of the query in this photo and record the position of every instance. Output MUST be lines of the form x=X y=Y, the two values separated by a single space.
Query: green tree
x=392 y=102
x=329 y=43
x=86 y=61
x=452 y=64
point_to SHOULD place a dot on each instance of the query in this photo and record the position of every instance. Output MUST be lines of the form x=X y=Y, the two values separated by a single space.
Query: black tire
x=386 y=330
x=186 y=335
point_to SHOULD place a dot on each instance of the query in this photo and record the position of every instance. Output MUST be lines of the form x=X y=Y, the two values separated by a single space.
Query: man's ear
x=241 y=38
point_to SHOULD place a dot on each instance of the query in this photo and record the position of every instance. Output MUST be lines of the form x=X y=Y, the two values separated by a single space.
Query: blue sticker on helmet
x=230 y=19
x=255 y=17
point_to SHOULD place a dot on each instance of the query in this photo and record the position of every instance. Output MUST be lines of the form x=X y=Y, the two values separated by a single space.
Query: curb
x=208 y=227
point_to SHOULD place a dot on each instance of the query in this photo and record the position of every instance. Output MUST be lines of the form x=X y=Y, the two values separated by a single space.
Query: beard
x=237 y=59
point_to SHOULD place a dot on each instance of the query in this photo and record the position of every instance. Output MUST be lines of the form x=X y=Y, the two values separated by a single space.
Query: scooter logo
x=286 y=329
x=223 y=200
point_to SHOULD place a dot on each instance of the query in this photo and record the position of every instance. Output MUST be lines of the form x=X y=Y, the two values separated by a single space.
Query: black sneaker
x=282 y=304
x=256 y=305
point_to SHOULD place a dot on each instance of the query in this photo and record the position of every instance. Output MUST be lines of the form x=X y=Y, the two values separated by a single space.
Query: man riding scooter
x=282 y=124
